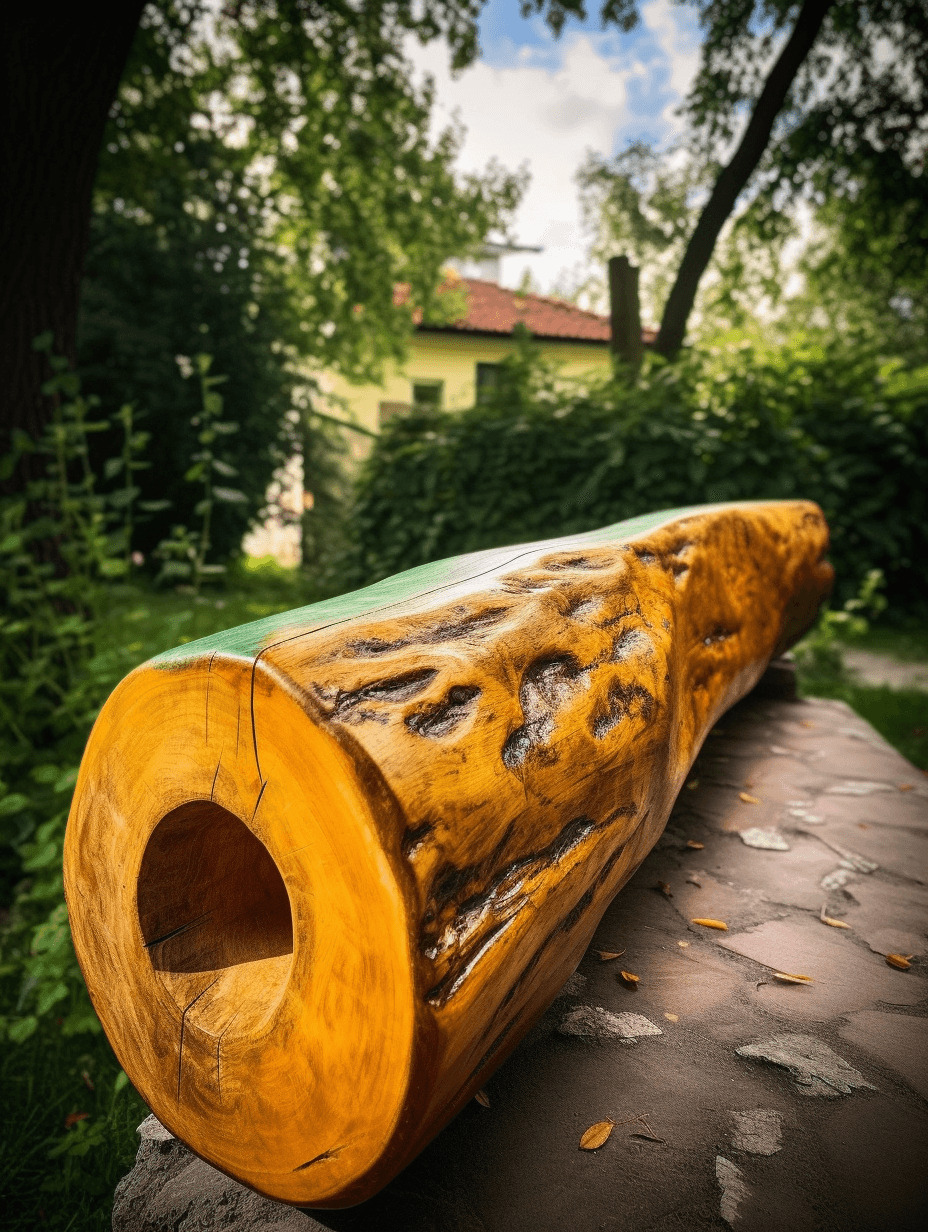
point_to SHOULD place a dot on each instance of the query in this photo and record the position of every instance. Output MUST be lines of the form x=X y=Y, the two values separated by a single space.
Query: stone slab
x=853 y=1162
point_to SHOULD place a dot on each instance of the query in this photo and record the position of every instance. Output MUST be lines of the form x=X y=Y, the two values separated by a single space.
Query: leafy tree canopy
x=848 y=144
x=268 y=175
x=300 y=125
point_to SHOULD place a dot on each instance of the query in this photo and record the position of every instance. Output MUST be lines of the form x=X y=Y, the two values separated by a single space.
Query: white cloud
x=551 y=104
x=676 y=31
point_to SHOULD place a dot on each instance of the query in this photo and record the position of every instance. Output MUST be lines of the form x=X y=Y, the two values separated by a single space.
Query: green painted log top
x=247 y=641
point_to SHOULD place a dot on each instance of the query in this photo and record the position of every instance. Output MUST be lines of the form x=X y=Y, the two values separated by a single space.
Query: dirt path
x=877 y=669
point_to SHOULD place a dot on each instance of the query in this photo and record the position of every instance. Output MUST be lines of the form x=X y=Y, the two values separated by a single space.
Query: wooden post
x=325 y=870
x=625 y=313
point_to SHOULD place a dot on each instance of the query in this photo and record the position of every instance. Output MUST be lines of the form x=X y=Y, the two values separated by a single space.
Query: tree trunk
x=325 y=870
x=735 y=176
x=61 y=70
x=624 y=314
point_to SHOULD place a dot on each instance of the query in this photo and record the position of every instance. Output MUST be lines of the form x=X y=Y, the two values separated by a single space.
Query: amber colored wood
x=320 y=891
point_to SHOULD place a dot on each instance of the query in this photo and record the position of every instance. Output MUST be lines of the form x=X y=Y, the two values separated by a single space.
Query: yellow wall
x=452 y=359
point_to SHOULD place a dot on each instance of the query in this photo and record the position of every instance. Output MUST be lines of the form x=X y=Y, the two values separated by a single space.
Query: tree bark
x=61 y=68
x=735 y=175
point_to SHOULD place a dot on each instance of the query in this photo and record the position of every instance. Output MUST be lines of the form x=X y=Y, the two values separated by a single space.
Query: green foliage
x=900 y=715
x=184 y=553
x=819 y=653
x=734 y=422
x=62 y=543
x=69 y=1117
x=641 y=204
x=268 y=175
x=151 y=294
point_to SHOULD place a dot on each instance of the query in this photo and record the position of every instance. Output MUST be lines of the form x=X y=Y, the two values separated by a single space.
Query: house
x=449 y=364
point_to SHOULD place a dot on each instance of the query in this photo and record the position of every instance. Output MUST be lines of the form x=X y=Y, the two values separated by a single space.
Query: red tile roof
x=492 y=309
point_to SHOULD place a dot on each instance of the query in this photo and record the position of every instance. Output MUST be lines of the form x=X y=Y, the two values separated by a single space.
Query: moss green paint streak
x=247 y=641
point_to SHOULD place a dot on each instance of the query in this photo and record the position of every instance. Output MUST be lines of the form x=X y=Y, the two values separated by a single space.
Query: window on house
x=427 y=394
x=487 y=380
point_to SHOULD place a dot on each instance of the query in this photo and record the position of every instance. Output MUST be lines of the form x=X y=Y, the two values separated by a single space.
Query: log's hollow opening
x=210 y=897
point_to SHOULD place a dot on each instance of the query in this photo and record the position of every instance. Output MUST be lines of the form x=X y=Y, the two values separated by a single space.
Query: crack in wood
x=480 y=919
x=317 y=1159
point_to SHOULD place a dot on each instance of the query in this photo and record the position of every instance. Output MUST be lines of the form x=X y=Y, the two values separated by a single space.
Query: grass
x=56 y=1177
x=899 y=715
x=62 y=1179
x=144 y=621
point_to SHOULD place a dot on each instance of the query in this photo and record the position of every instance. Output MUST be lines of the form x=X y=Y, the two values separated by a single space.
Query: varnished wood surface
x=324 y=873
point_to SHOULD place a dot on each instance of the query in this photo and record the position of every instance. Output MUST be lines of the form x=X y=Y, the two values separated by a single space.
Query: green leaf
x=22 y=1028
x=43 y=857
x=50 y=996
x=45 y=773
x=230 y=496
x=123 y=496
x=13 y=803
x=66 y=780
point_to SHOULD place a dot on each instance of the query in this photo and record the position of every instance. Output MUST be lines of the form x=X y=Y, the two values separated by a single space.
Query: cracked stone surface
x=816 y=1069
x=734 y=1190
x=757 y=1132
x=593 y=1022
x=852 y=1162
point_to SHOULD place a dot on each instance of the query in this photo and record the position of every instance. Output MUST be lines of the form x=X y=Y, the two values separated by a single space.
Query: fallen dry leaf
x=743 y=795
x=827 y=919
x=672 y=1017
x=899 y=961
x=683 y=944
x=785 y=978
x=597 y=1135
x=608 y=955
x=73 y=1117
x=482 y=1098
x=664 y=889
x=631 y=980
x=88 y=1081
x=806 y=723
x=692 y=784
x=906 y=786
x=691 y=842
x=693 y=881
x=712 y=924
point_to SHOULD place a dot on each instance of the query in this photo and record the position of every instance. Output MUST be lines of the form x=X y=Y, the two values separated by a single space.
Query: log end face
x=243 y=933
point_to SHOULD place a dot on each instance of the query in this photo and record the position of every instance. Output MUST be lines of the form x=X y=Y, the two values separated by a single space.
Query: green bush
x=735 y=422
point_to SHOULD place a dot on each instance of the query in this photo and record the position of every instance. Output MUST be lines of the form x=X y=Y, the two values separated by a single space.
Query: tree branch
x=736 y=174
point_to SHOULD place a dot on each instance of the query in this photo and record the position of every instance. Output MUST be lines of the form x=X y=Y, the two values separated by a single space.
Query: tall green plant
x=62 y=542
x=185 y=553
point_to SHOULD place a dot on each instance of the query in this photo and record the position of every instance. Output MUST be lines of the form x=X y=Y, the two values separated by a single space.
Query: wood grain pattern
x=324 y=872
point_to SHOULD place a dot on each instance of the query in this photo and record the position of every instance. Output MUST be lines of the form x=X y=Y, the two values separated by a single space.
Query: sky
x=545 y=102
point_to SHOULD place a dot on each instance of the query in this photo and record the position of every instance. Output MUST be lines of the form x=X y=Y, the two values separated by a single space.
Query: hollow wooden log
x=325 y=870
